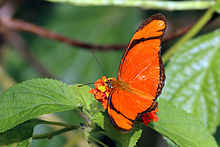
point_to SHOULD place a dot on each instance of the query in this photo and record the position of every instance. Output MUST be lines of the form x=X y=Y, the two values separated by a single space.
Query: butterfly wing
x=142 y=68
x=123 y=110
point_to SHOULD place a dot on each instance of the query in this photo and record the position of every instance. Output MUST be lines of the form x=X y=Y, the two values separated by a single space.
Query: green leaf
x=36 y=97
x=193 y=78
x=90 y=104
x=122 y=139
x=149 y=4
x=217 y=6
x=19 y=133
x=180 y=127
x=24 y=143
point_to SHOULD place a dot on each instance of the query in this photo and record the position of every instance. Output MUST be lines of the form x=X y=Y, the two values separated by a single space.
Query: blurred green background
x=91 y=24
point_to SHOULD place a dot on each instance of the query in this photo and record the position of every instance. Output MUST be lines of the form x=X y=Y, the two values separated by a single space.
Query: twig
x=57 y=123
x=52 y=134
x=72 y=138
x=16 y=24
x=18 y=43
x=20 y=25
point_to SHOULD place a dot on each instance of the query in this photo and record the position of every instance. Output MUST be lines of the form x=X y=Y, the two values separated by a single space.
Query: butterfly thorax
x=121 y=85
x=112 y=84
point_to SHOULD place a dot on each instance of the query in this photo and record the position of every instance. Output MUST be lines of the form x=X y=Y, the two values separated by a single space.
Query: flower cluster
x=102 y=91
x=146 y=118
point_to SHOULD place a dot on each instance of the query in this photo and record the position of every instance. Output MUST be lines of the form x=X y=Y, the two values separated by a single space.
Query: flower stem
x=52 y=134
x=158 y=5
x=67 y=127
x=196 y=28
x=59 y=124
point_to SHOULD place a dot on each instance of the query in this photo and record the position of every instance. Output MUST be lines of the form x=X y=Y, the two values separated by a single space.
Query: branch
x=52 y=134
x=15 y=24
x=49 y=135
x=20 y=25
x=58 y=123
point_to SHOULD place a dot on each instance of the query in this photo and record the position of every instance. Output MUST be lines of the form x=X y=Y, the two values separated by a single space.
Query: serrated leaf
x=19 y=133
x=36 y=97
x=182 y=128
x=193 y=78
x=86 y=99
x=122 y=139
x=149 y=4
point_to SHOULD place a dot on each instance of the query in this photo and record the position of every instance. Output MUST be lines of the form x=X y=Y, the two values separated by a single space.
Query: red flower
x=102 y=91
x=146 y=118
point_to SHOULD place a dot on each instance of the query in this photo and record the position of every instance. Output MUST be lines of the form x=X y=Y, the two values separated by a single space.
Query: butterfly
x=140 y=77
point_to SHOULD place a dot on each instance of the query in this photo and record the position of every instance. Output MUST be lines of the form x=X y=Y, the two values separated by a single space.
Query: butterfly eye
x=109 y=84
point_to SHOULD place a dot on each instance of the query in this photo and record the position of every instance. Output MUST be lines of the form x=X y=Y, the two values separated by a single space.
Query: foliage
x=195 y=70
x=188 y=107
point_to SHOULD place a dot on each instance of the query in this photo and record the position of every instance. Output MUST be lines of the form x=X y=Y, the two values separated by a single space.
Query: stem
x=87 y=116
x=52 y=134
x=59 y=124
x=196 y=28
x=159 y=5
x=96 y=140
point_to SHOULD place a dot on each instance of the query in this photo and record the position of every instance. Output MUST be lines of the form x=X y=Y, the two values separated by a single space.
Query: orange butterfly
x=140 y=76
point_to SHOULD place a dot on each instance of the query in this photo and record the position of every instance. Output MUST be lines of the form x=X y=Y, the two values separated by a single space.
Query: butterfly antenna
x=81 y=85
x=92 y=51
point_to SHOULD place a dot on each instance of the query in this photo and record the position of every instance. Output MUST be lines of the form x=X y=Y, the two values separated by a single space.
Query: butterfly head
x=102 y=90
x=110 y=83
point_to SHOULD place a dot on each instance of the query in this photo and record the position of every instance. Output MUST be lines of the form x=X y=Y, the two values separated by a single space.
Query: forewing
x=141 y=65
x=141 y=68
